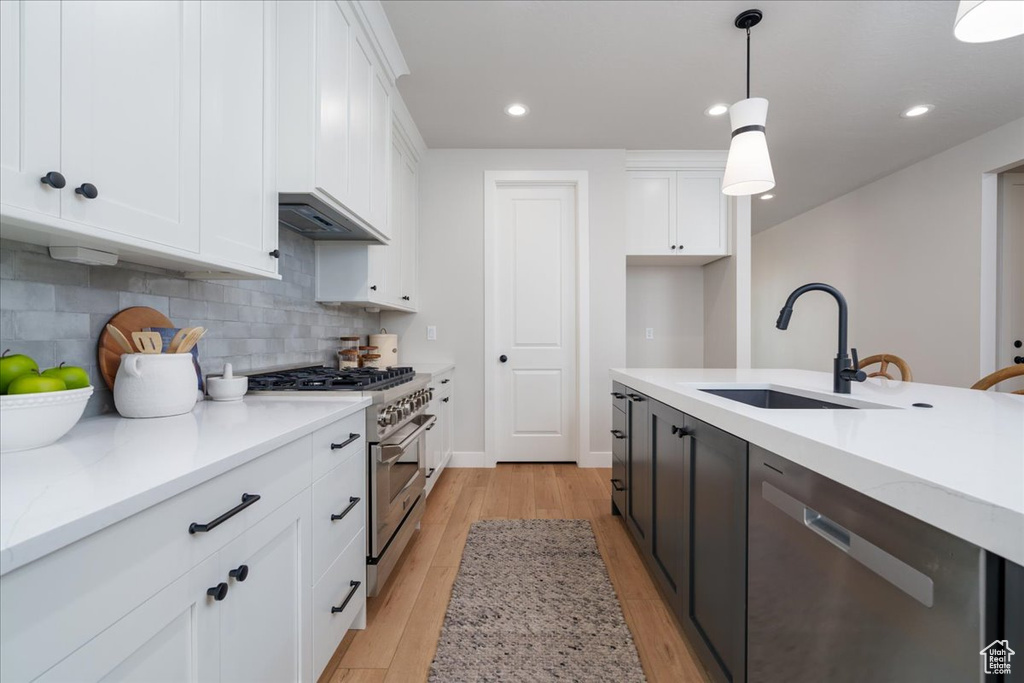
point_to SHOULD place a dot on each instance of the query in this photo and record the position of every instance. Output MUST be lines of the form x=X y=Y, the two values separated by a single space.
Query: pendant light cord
x=748 y=62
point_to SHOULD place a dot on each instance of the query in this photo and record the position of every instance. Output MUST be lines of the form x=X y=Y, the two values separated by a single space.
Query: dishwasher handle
x=827 y=529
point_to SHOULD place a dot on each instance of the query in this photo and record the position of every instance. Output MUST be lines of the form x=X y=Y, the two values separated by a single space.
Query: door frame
x=989 y=304
x=579 y=181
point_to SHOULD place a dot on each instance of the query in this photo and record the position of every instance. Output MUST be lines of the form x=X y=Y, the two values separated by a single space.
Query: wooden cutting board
x=134 y=319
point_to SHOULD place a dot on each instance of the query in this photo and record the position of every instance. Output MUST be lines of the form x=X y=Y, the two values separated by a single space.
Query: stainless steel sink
x=776 y=400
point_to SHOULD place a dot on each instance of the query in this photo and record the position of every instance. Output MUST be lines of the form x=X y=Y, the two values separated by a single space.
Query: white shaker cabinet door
x=394 y=250
x=239 y=105
x=265 y=622
x=170 y=638
x=334 y=38
x=360 y=111
x=380 y=153
x=130 y=118
x=651 y=213
x=702 y=213
x=30 y=104
x=410 y=249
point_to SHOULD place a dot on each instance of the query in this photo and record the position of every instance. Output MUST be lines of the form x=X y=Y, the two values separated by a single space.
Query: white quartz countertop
x=432 y=369
x=109 y=468
x=958 y=466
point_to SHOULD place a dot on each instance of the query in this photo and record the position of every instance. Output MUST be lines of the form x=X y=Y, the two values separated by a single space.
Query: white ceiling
x=639 y=74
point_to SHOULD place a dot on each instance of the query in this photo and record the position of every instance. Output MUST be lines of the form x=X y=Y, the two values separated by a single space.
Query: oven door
x=399 y=465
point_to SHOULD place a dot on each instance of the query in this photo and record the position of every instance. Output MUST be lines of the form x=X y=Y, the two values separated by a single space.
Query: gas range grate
x=318 y=378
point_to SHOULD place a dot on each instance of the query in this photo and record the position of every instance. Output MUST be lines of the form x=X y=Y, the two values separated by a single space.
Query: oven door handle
x=389 y=453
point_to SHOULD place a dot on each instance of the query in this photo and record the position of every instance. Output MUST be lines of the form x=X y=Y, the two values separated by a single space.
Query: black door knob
x=54 y=180
x=240 y=574
x=87 y=190
x=276 y=253
x=218 y=592
x=503 y=358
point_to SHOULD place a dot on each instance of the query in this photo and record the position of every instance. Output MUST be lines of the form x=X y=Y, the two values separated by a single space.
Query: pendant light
x=984 y=21
x=748 y=169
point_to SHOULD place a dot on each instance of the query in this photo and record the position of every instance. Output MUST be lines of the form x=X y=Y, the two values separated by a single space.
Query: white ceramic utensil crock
x=155 y=384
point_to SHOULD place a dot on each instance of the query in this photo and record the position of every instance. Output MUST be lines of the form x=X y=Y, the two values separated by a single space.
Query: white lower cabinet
x=440 y=437
x=145 y=600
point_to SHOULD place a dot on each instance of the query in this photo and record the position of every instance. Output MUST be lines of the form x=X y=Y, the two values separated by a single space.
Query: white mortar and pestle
x=227 y=387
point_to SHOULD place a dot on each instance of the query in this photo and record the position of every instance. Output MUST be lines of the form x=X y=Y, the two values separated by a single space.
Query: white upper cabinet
x=30 y=104
x=676 y=209
x=130 y=118
x=153 y=121
x=238 y=215
x=335 y=112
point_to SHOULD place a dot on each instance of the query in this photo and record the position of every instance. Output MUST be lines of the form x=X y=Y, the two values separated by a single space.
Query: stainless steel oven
x=397 y=491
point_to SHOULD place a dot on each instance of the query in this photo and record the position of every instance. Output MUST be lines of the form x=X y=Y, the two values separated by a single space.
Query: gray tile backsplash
x=54 y=311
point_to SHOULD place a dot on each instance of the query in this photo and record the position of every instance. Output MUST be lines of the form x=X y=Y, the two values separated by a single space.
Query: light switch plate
x=649 y=333
x=431 y=332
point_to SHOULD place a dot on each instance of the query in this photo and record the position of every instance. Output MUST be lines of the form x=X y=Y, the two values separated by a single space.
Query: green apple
x=72 y=376
x=34 y=383
x=13 y=366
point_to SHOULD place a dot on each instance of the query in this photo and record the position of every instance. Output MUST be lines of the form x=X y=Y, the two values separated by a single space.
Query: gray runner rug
x=533 y=602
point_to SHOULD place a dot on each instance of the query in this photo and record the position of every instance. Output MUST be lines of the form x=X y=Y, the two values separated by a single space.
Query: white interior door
x=1010 y=313
x=535 y=323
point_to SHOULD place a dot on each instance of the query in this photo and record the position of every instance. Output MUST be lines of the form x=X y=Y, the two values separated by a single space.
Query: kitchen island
x=862 y=527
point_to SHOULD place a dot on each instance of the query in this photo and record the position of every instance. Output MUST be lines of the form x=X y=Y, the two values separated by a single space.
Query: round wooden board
x=134 y=319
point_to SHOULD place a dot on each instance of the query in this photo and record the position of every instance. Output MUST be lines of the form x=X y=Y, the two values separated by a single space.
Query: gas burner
x=317 y=378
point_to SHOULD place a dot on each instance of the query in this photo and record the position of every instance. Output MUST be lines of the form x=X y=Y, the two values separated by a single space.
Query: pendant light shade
x=749 y=168
x=984 y=21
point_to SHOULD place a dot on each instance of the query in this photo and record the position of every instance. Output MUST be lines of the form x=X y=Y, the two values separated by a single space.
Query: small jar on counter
x=349 y=343
x=370 y=360
x=348 y=358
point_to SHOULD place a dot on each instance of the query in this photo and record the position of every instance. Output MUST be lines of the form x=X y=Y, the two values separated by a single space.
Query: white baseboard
x=469 y=459
x=600 y=459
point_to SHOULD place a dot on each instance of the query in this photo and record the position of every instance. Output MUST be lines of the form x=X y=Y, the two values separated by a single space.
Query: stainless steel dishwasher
x=843 y=588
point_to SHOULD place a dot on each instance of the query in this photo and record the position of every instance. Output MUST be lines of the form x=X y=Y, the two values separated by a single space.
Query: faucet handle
x=855 y=374
x=856 y=361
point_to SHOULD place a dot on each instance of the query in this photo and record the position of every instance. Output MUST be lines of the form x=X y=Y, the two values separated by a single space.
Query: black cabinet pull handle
x=352 y=436
x=54 y=180
x=218 y=592
x=445 y=381
x=617 y=433
x=675 y=430
x=617 y=395
x=635 y=397
x=352 y=502
x=683 y=431
x=240 y=574
x=373 y=287
x=617 y=485
x=87 y=190
x=430 y=473
x=348 y=598
x=446 y=399
x=247 y=500
x=405 y=298
x=276 y=253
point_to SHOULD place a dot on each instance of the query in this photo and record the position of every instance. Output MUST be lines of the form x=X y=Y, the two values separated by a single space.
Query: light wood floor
x=404 y=621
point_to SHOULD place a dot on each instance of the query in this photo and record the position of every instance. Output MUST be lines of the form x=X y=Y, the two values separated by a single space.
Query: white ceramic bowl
x=227 y=388
x=36 y=420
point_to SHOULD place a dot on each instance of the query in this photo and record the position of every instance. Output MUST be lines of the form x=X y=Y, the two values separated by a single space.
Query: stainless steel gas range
x=396 y=426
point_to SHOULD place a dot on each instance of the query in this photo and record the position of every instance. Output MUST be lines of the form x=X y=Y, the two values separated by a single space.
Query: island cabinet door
x=669 y=501
x=638 y=471
x=716 y=489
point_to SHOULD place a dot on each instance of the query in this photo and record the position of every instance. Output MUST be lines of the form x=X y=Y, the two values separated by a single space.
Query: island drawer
x=619 y=484
x=619 y=435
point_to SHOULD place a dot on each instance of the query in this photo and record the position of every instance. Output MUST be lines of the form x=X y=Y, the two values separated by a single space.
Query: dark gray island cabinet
x=776 y=573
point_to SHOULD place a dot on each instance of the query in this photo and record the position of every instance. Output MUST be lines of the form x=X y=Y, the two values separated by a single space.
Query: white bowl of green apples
x=38 y=408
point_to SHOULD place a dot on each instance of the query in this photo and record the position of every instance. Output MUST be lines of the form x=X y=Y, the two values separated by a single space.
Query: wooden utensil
x=108 y=353
x=190 y=340
x=119 y=337
x=179 y=336
x=148 y=342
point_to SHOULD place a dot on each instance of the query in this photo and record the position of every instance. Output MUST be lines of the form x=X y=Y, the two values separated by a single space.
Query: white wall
x=906 y=252
x=451 y=277
x=670 y=300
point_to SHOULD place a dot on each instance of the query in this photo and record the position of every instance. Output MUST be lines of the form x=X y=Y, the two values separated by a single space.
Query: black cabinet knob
x=405 y=298
x=87 y=190
x=373 y=287
x=276 y=253
x=240 y=574
x=673 y=246
x=503 y=358
x=54 y=180
x=218 y=592
x=1019 y=360
x=680 y=247
x=445 y=399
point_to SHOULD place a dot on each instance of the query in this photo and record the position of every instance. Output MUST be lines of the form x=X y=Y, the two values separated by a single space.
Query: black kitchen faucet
x=844 y=371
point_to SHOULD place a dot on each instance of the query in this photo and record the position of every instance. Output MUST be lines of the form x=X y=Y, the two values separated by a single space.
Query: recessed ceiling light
x=517 y=110
x=768 y=195
x=917 y=110
x=716 y=110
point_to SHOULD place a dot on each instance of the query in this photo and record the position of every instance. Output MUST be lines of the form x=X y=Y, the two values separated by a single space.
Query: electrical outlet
x=649 y=333
x=431 y=332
